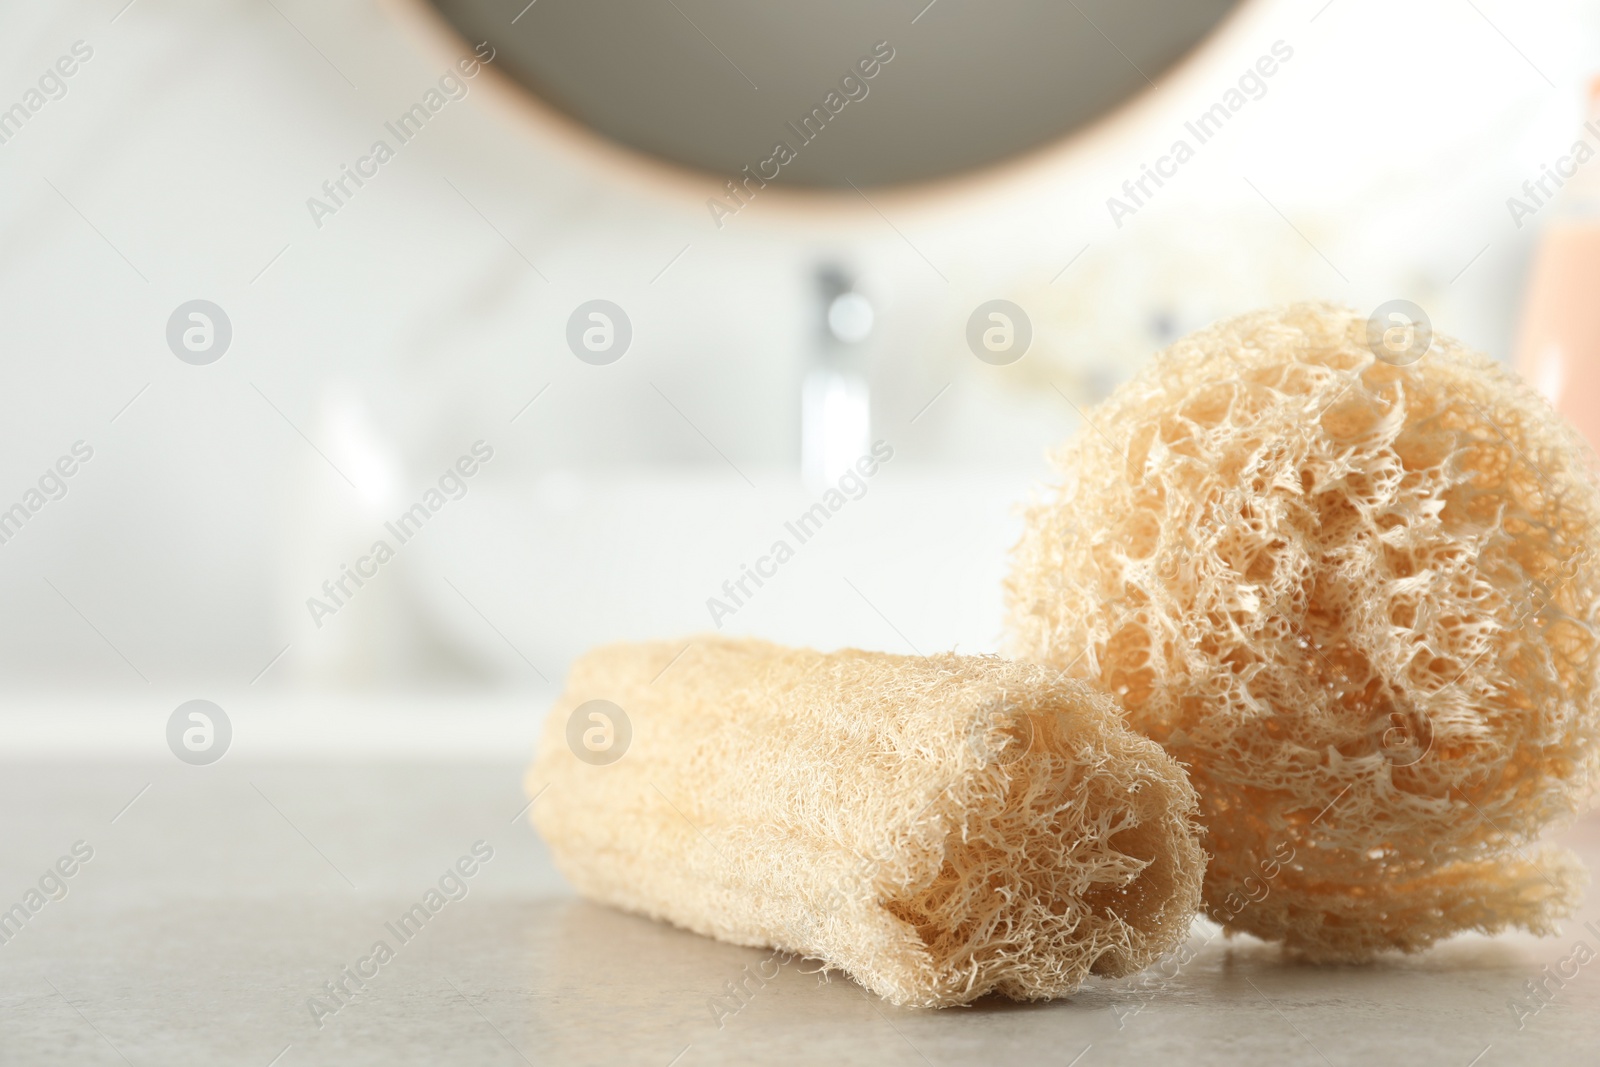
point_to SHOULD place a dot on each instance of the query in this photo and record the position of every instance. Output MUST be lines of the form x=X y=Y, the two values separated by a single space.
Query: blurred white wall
x=368 y=354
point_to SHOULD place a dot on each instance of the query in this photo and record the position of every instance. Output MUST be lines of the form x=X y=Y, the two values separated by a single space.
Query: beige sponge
x=1359 y=601
x=938 y=828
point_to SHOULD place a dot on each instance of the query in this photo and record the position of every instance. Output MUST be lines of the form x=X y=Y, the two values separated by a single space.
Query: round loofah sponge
x=1359 y=601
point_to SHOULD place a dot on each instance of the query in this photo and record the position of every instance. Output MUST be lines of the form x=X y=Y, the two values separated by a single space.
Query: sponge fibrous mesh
x=939 y=828
x=1359 y=601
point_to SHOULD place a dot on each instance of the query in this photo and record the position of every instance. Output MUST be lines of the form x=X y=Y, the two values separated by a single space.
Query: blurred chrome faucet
x=835 y=400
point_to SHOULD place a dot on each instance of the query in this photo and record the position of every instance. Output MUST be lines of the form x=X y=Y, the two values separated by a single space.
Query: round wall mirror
x=834 y=93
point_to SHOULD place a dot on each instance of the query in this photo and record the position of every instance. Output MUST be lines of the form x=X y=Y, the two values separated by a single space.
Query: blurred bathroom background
x=373 y=345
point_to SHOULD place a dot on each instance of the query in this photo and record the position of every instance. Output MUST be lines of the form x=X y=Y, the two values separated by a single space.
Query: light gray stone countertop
x=223 y=898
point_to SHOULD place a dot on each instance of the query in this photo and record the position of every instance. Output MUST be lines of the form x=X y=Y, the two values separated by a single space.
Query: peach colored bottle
x=1558 y=343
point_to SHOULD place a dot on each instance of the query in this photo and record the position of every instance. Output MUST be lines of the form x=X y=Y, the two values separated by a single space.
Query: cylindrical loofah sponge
x=1359 y=601
x=938 y=828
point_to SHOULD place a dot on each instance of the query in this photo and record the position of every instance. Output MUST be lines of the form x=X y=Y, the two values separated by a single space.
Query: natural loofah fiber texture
x=1359 y=601
x=939 y=828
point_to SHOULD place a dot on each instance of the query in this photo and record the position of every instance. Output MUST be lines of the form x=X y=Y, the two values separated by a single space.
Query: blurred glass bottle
x=1558 y=342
